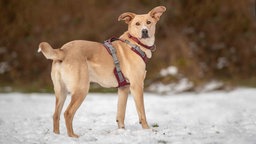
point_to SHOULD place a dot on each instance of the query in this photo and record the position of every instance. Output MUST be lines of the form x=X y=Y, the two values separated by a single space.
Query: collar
x=152 y=48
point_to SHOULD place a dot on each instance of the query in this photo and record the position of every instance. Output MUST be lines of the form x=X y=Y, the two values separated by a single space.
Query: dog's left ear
x=127 y=17
x=157 y=12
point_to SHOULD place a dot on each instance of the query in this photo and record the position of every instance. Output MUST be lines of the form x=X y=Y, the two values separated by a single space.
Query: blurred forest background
x=204 y=39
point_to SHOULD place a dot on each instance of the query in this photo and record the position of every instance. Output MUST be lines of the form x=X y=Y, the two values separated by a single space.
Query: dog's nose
x=144 y=33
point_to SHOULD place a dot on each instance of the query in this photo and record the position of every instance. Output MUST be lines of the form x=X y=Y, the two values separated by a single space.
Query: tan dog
x=80 y=62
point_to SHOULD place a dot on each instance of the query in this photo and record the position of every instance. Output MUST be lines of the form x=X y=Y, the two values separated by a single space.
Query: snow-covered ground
x=186 y=118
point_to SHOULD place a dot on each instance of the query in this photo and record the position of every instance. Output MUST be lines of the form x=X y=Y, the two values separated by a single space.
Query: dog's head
x=142 y=26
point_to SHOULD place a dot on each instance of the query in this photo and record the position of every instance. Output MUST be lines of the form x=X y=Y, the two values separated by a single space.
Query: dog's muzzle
x=144 y=33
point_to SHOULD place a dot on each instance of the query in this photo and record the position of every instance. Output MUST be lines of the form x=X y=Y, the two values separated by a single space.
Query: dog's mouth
x=144 y=36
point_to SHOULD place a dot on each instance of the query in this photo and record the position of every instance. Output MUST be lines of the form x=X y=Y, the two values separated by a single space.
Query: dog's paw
x=73 y=135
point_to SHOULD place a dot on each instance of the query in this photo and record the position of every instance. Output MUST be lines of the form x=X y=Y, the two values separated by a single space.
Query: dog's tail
x=50 y=53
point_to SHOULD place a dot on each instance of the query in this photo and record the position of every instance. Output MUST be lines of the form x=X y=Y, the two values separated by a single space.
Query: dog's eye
x=137 y=23
x=148 y=22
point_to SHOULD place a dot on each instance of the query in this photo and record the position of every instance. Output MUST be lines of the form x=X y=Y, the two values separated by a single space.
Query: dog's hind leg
x=78 y=94
x=60 y=94
x=121 y=106
x=76 y=101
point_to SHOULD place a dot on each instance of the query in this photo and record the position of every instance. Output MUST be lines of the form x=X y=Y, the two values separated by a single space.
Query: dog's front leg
x=121 y=106
x=137 y=92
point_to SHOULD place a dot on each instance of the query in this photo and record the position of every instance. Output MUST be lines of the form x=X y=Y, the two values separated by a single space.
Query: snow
x=160 y=87
x=4 y=67
x=171 y=70
x=222 y=63
x=182 y=85
x=209 y=118
x=212 y=85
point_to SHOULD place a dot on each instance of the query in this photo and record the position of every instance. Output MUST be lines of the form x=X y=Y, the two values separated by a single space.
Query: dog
x=79 y=62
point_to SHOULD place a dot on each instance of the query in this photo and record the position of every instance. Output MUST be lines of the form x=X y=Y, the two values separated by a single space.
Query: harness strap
x=117 y=70
x=137 y=50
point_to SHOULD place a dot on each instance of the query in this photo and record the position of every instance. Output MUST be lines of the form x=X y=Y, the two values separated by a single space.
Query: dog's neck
x=138 y=41
x=148 y=42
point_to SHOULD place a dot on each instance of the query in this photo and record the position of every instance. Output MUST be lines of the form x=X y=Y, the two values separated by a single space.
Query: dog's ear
x=127 y=17
x=157 y=12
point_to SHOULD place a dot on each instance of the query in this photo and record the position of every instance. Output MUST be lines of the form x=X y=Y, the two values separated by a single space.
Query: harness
x=122 y=81
x=117 y=70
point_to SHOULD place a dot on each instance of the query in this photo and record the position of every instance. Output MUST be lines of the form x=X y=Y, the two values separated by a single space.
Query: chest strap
x=117 y=70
